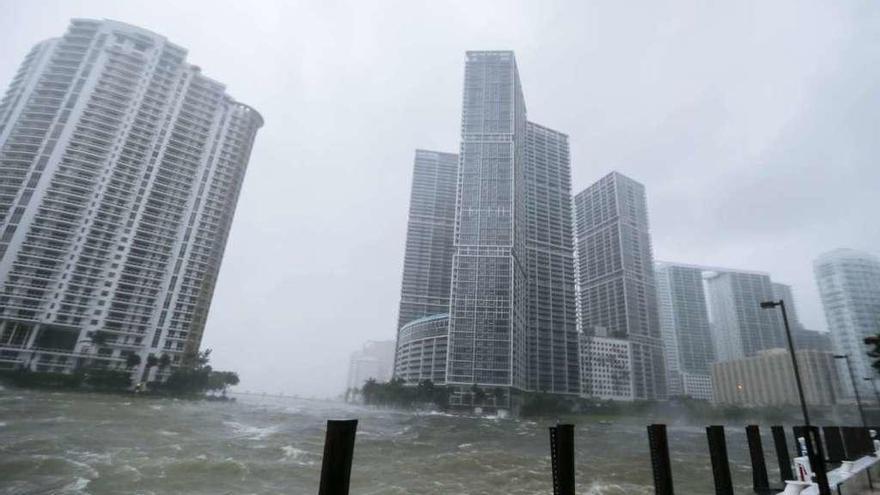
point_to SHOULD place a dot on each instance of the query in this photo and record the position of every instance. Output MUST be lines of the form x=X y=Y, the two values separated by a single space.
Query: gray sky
x=753 y=125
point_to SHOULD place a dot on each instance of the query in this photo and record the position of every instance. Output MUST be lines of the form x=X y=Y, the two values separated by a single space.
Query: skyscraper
x=552 y=316
x=684 y=324
x=783 y=292
x=740 y=327
x=849 y=285
x=487 y=327
x=121 y=168
x=615 y=272
x=427 y=264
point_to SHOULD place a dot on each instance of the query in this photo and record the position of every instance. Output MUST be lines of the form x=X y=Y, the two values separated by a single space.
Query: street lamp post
x=852 y=378
x=794 y=363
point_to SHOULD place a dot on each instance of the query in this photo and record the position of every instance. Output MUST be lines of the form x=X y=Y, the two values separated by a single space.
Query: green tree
x=874 y=353
x=132 y=360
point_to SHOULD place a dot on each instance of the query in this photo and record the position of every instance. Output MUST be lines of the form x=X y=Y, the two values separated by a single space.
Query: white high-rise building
x=684 y=323
x=849 y=285
x=740 y=327
x=120 y=169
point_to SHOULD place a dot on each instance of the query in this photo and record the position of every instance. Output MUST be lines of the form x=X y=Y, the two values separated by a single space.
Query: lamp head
x=769 y=304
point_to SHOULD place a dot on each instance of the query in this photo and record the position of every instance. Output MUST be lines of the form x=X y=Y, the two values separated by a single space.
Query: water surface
x=78 y=443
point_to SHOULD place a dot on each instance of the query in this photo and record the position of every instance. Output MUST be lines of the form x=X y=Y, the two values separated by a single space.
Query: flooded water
x=74 y=443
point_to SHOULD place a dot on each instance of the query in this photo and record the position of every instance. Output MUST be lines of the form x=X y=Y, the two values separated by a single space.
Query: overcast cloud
x=753 y=125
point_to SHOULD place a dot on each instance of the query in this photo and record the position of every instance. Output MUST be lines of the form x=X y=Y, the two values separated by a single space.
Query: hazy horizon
x=753 y=127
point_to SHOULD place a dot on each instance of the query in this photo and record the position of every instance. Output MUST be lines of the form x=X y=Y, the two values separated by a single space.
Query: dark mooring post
x=338 y=453
x=562 y=457
x=760 y=481
x=720 y=462
x=660 y=463
x=783 y=457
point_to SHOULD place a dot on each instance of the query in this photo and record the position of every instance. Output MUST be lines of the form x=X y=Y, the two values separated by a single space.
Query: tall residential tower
x=684 y=323
x=849 y=285
x=427 y=269
x=510 y=323
x=120 y=169
x=615 y=270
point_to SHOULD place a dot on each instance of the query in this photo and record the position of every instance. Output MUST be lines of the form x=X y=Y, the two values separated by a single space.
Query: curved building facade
x=120 y=169
x=421 y=349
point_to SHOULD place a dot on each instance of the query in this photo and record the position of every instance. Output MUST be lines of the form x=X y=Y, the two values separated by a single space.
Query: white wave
x=167 y=433
x=156 y=407
x=465 y=445
x=2 y=424
x=252 y=432
x=78 y=485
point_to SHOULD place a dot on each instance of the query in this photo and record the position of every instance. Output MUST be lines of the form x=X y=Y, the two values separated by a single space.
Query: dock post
x=760 y=481
x=660 y=463
x=834 y=444
x=720 y=461
x=338 y=454
x=783 y=456
x=562 y=457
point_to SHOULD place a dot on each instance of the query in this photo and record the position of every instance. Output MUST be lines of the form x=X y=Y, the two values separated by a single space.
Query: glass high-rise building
x=552 y=335
x=740 y=327
x=487 y=327
x=849 y=285
x=684 y=324
x=120 y=169
x=422 y=324
x=427 y=264
x=505 y=320
x=615 y=272
x=783 y=292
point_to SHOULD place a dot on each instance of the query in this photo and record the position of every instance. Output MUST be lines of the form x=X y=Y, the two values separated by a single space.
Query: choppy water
x=98 y=444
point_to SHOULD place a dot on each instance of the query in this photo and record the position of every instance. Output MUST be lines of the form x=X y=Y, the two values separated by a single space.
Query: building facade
x=767 y=379
x=684 y=324
x=421 y=350
x=120 y=169
x=606 y=366
x=783 y=292
x=741 y=328
x=849 y=285
x=615 y=273
x=374 y=361
x=487 y=321
x=551 y=321
x=427 y=264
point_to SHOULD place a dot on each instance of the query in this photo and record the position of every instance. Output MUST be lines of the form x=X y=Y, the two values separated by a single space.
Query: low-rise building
x=767 y=379
x=606 y=366
x=421 y=350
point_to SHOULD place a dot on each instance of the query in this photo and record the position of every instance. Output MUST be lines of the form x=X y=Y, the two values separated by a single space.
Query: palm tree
x=132 y=360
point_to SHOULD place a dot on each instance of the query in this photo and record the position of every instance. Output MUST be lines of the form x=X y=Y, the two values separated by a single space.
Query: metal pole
x=794 y=364
x=660 y=464
x=852 y=378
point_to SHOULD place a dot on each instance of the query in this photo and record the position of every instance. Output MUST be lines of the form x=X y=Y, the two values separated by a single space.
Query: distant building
x=783 y=292
x=849 y=285
x=427 y=263
x=741 y=328
x=811 y=339
x=121 y=166
x=374 y=360
x=615 y=271
x=684 y=324
x=606 y=366
x=421 y=350
x=767 y=379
